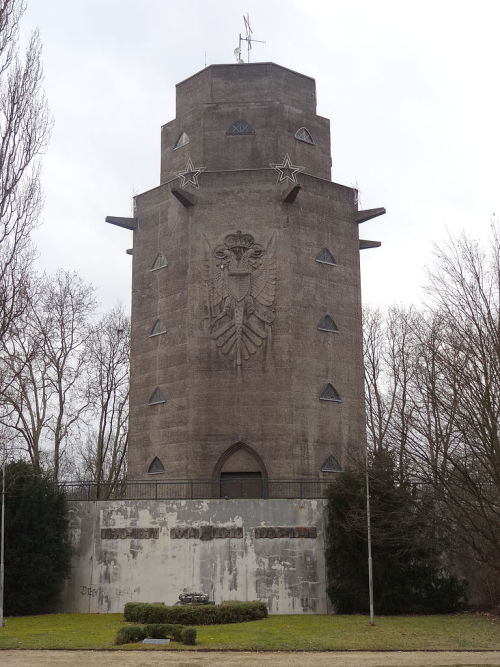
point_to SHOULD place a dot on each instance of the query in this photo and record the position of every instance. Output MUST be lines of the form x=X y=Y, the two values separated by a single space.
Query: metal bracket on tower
x=368 y=214
x=365 y=245
x=126 y=223
x=292 y=195
x=182 y=196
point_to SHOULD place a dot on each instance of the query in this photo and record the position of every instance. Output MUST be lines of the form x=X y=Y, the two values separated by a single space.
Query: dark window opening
x=159 y=263
x=240 y=128
x=182 y=140
x=329 y=393
x=159 y=328
x=304 y=135
x=241 y=485
x=156 y=397
x=156 y=466
x=327 y=324
x=331 y=465
x=326 y=257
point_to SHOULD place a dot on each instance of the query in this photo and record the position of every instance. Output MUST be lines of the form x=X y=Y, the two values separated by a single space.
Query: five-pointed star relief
x=286 y=170
x=190 y=174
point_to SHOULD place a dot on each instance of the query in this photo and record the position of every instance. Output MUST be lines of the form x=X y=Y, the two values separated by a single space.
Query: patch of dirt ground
x=21 y=658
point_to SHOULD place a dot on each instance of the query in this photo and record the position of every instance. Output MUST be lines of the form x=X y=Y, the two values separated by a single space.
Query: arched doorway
x=240 y=473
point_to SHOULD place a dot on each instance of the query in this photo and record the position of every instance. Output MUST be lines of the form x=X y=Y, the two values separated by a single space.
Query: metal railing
x=192 y=489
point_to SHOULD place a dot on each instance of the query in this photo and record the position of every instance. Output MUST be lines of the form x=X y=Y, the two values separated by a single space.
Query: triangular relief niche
x=158 y=328
x=329 y=393
x=325 y=257
x=304 y=135
x=182 y=140
x=159 y=263
x=331 y=465
x=326 y=323
x=156 y=466
x=157 y=397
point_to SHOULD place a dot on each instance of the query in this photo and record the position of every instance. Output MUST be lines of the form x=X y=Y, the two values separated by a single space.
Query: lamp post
x=2 y=546
x=369 y=535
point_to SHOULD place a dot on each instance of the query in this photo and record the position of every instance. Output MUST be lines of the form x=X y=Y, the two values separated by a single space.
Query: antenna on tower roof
x=248 y=39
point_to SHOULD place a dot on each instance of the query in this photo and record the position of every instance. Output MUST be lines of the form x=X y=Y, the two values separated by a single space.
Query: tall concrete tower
x=247 y=362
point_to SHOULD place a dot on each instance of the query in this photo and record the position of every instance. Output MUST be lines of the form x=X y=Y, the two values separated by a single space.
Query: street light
x=369 y=535
x=2 y=546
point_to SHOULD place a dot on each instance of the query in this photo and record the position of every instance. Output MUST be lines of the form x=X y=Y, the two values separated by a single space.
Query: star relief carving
x=286 y=170
x=190 y=174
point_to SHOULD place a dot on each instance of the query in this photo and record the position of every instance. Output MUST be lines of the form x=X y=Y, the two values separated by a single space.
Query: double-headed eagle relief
x=241 y=291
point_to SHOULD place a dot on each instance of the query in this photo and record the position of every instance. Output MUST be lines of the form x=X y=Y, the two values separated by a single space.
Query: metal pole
x=2 y=547
x=369 y=531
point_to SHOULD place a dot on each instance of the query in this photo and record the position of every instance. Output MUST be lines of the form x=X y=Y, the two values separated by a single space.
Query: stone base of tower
x=269 y=550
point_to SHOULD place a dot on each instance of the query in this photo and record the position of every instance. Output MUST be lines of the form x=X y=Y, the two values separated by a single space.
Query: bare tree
x=379 y=387
x=67 y=305
x=464 y=450
x=104 y=454
x=433 y=394
x=24 y=130
x=389 y=343
x=25 y=394
x=434 y=431
x=46 y=359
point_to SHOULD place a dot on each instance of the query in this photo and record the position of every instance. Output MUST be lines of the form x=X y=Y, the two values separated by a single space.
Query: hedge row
x=227 y=612
x=136 y=633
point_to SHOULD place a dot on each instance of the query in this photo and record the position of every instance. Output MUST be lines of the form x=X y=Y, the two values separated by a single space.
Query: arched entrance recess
x=240 y=473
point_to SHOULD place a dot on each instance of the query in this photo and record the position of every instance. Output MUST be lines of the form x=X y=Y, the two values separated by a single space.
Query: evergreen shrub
x=135 y=633
x=144 y=612
x=409 y=575
x=188 y=636
x=130 y=634
x=37 y=545
x=163 y=630
x=227 y=612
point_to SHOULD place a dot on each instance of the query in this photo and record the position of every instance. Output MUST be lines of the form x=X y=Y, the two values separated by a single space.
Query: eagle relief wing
x=216 y=282
x=263 y=287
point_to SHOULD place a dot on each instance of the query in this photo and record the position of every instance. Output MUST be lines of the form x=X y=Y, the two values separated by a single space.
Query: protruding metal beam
x=129 y=251
x=292 y=194
x=368 y=214
x=364 y=245
x=183 y=197
x=126 y=223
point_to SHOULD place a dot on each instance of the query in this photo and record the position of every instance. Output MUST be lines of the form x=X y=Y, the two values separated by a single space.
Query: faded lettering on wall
x=234 y=532
x=130 y=533
x=286 y=531
x=206 y=532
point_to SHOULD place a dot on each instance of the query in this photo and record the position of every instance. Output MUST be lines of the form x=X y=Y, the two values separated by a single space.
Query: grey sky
x=412 y=90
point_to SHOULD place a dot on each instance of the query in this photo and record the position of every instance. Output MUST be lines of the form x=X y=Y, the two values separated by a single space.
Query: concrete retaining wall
x=151 y=551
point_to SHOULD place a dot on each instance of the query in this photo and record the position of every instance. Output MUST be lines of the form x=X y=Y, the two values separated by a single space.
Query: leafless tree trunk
x=465 y=289
x=46 y=359
x=433 y=393
x=24 y=129
x=389 y=344
x=105 y=452
x=66 y=307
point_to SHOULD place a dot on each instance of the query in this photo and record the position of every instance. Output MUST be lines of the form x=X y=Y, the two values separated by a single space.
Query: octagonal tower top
x=246 y=116
x=244 y=84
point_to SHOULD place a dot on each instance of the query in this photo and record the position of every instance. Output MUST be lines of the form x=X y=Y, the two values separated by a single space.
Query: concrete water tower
x=247 y=364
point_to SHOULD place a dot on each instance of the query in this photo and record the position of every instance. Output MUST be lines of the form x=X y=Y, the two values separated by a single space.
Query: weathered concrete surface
x=288 y=573
x=274 y=100
x=271 y=402
x=243 y=659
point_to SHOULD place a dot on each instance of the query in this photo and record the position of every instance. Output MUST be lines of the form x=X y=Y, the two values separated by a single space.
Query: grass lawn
x=310 y=633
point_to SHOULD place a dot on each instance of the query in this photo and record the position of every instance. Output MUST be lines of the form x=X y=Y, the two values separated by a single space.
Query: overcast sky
x=411 y=88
